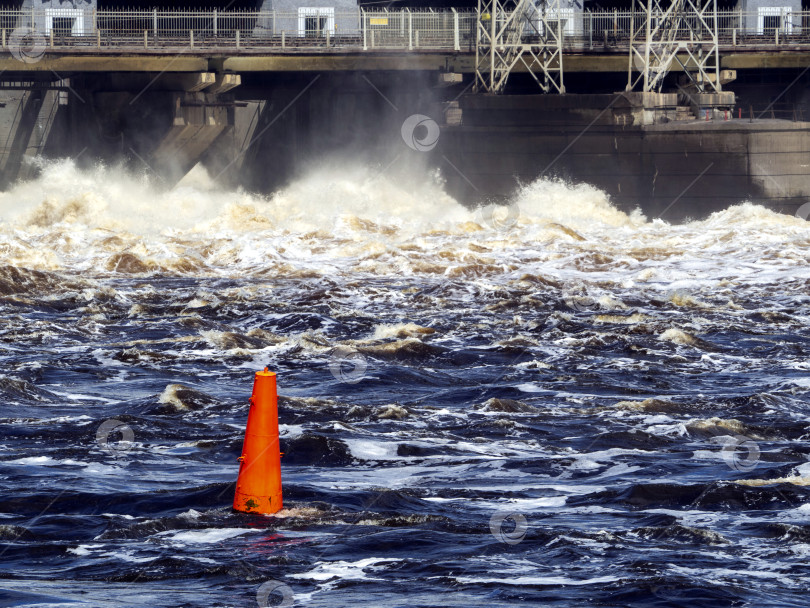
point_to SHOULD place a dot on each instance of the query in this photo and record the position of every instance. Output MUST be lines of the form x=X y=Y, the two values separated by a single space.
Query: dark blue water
x=576 y=413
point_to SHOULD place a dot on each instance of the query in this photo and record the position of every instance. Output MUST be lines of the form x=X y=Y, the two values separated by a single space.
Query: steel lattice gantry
x=682 y=32
x=527 y=35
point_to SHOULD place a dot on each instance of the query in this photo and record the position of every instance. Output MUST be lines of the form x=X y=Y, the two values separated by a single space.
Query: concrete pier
x=650 y=154
x=26 y=118
x=163 y=126
x=644 y=150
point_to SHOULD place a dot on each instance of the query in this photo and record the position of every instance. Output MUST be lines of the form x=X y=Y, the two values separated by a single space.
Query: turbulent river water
x=553 y=403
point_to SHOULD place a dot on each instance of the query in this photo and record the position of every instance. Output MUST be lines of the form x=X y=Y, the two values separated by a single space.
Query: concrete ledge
x=107 y=63
x=725 y=99
x=309 y=60
x=225 y=82
x=448 y=79
x=198 y=82
x=648 y=101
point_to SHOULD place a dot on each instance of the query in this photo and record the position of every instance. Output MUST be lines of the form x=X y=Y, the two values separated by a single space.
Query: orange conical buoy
x=258 y=488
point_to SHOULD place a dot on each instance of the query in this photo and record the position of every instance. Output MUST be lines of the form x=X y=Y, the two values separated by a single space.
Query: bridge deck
x=260 y=60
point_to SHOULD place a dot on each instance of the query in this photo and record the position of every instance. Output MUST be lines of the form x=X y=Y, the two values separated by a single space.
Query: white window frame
x=785 y=23
x=76 y=14
x=316 y=11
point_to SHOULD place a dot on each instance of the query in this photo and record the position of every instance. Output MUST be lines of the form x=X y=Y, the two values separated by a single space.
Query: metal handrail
x=411 y=29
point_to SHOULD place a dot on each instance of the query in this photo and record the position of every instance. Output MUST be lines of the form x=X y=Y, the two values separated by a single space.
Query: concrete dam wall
x=677 y=163
x=260 y=131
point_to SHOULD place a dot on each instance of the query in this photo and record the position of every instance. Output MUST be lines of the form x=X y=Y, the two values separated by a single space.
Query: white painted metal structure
x=74 y=17
x=683 y=32
x=525 y=34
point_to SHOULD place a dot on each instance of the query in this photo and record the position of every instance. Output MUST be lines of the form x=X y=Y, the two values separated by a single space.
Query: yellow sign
x=378 y=20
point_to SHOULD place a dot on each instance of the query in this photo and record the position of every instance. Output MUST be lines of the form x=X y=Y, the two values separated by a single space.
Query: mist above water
x=348 y=216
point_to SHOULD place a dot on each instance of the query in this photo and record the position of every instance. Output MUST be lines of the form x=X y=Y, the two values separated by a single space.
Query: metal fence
x=312 y=28
x=600 y=29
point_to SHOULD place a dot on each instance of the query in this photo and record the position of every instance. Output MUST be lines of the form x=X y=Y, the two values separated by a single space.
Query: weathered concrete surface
x=229 y=59
x=784 y=58
x=779 y=162
x=196 y=124
x=65 y=64
x=674 y=170
x=26 y=118
x=312 y=122
x=161 y=132
x=644 y=150
x=225 y=158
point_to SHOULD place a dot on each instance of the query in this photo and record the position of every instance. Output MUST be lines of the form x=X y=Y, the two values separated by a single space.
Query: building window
x=772 y=18
x=64 y=21
x=314 y=22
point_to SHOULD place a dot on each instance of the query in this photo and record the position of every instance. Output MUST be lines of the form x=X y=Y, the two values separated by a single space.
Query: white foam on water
x=345 y=570
x=105 y=219
x=803 y=382
x=366 y=449
x=537 y=580
x=290 y=430
x=79 y=420
x=206 y=536
x=522 y=504
x=677 y=429
x=725 y=574
x=191 y=515
x=618 y=469
x=127 y=556
x=704 y=519
x=81 y=397
x=709 y=454
x=550 y=200
x=657 y=419
x=803 y=470
x=594 y=509
x=529 y=387
x=45 y=461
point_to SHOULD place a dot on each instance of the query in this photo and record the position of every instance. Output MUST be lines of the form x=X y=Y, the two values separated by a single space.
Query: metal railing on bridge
x=766 y=27
x=328 y=30
x=306 y=28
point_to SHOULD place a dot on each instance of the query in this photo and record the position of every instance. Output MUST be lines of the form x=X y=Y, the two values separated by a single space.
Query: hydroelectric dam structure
x=678 y=107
